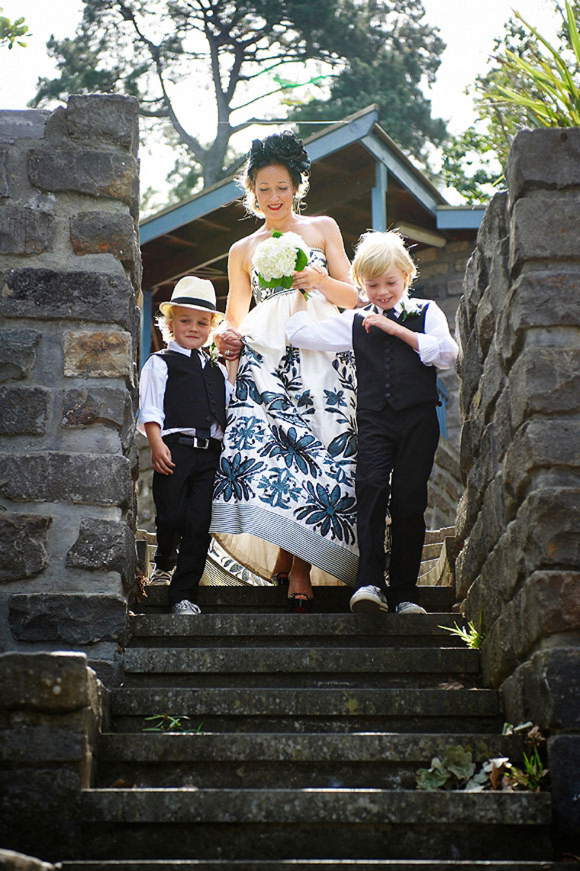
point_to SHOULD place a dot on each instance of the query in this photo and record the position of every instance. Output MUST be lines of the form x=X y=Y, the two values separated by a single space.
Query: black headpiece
x=283 y=148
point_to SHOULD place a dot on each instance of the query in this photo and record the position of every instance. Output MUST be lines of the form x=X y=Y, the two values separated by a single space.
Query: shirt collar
x=175 y=346
x=397 y=309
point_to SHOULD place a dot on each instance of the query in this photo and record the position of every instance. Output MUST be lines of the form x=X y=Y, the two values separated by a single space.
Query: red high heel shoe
x=300 y=603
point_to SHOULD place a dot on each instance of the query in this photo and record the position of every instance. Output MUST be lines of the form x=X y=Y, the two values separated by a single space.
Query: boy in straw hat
x=183 y=395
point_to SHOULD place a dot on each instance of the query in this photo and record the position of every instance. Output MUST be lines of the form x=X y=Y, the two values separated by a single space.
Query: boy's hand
x=162 y=461
x=380 y=321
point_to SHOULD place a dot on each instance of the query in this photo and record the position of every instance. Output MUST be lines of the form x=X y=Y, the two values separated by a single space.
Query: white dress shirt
x=152 y=392
x=436 y=345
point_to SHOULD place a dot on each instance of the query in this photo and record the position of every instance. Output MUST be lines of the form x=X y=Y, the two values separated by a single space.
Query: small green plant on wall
x=170 y=723
x=472 y=634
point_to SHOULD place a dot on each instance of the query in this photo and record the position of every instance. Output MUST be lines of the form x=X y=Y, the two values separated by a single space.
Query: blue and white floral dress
x=286 y=473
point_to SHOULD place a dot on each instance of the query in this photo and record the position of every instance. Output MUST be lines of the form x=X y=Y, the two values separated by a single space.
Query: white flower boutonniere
x=409 y=307
x=213 y=354
x=278 y=257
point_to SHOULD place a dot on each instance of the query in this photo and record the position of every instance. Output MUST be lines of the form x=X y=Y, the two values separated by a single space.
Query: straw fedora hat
x=192 y=292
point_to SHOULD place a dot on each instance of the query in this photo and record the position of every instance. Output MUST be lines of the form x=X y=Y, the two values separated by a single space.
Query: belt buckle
x=202 y=444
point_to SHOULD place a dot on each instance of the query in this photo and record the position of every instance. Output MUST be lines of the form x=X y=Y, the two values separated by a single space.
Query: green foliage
x=472 y=635
x=11 y=31
x=546 y=82
x=243 y=51
x=170 y=723
x=458 y=771
x=530 y=83
x=533 y=776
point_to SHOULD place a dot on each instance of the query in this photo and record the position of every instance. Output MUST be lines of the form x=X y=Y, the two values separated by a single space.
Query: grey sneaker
x=409 y=608
x=185 y=607
x=368 y=600
x=160 y=577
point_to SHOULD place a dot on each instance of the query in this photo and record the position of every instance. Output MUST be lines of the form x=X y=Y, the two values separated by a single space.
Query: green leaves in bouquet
x=286 y=280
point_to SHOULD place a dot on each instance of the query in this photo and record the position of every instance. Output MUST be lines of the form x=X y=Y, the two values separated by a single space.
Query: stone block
x=502 y=424
x=17 y=353
x=492 y=383
x=23 y=545
x=67 y=618
x=107 y=118
x=22 y=124
x=4 y=185
x=470 y=444
x=494 y=225
x=105 y=233
x=24 y=410
x=471 y=371
x=543 y=452
x=474 y=283
x=104 y=354
x=24 y=230
x=539 y=300
x=49 y=682
x=548 y=159
x=87 y=406
x=103 y=545
x=485 y=320
x=499 y=277
x=39 y=743
x=546 y=690
x=85 y=171
x=547 y=524
x=58 y=477
x=545 y=227
x=564 y=765
x=51 y=295
x=544 y=381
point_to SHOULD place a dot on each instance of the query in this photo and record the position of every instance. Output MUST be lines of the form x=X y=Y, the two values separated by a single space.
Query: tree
x=11 y=31
x=528 y=83
x=238 y=50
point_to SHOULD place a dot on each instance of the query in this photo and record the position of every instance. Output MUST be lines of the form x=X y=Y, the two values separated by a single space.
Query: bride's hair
x=281 y=149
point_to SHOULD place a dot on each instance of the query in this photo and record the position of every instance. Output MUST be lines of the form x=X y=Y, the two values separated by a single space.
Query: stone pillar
x=69 y=285
x=519 y=519
x=51 y=710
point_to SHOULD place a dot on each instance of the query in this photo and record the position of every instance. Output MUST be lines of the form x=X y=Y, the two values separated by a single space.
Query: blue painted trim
x=146 y=320
x=402 y=173
x=460 y=217
x=379 y=198
x=443 y=394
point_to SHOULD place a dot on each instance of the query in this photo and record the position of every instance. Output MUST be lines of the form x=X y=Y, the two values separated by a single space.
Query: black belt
x=201 y=444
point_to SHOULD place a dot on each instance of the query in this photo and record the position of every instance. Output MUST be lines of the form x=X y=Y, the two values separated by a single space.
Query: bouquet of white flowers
x=278 y=257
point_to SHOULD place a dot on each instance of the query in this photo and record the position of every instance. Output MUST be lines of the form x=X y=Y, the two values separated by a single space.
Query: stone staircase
x=306 y=732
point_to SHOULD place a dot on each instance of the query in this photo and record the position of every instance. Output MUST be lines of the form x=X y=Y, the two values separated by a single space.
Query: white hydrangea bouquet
x=278 y=257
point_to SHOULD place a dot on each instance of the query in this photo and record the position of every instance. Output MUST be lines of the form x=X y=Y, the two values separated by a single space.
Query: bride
x=286 y=474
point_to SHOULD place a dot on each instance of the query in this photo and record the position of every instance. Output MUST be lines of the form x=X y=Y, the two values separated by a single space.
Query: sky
x=467 y=26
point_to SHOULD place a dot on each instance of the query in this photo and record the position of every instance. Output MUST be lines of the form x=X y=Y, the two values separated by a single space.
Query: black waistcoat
x=195 y=397
x=388 y=371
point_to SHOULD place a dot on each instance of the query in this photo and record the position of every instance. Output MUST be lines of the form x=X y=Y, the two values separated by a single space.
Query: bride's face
x=274 y=191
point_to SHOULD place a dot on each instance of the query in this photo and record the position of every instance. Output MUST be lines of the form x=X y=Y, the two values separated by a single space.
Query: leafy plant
x=547 y=89
x=471 y=635
x=170 y=723
x=533 y=775
x=457 y=770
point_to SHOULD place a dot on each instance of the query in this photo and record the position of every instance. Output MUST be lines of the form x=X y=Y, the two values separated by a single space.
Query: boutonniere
x=409 y=308
x=213 y=354
x=278 y=257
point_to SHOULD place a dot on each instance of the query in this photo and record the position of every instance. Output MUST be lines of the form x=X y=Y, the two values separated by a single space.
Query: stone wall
x=519 y=519
x=51 y=711
x=69 y=284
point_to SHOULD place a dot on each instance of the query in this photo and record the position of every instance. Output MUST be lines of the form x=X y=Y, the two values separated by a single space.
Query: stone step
x=274 y=599
x=313 y=865
x=291 y=666
x=311 y=710
x=379 y=761
x=296 y=630
x=315 y=823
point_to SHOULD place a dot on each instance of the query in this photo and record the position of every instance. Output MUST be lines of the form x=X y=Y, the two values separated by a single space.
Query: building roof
x=359 y=176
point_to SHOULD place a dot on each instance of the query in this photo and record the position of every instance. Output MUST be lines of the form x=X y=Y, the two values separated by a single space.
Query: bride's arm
x=336 y=284
x=239 y=297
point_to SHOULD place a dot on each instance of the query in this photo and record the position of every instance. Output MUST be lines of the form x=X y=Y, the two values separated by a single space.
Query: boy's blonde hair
x=164 y=322
x=377 y=253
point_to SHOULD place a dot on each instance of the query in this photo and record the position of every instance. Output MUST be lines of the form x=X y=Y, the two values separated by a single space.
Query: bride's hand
x=229 y=343
x=310 y=278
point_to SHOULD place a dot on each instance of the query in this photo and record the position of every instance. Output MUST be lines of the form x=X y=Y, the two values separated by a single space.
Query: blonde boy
x=398 y=344
x=183 y=397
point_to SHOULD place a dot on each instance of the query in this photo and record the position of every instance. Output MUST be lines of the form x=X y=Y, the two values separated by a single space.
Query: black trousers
x=396 y=450
x=183 y=512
